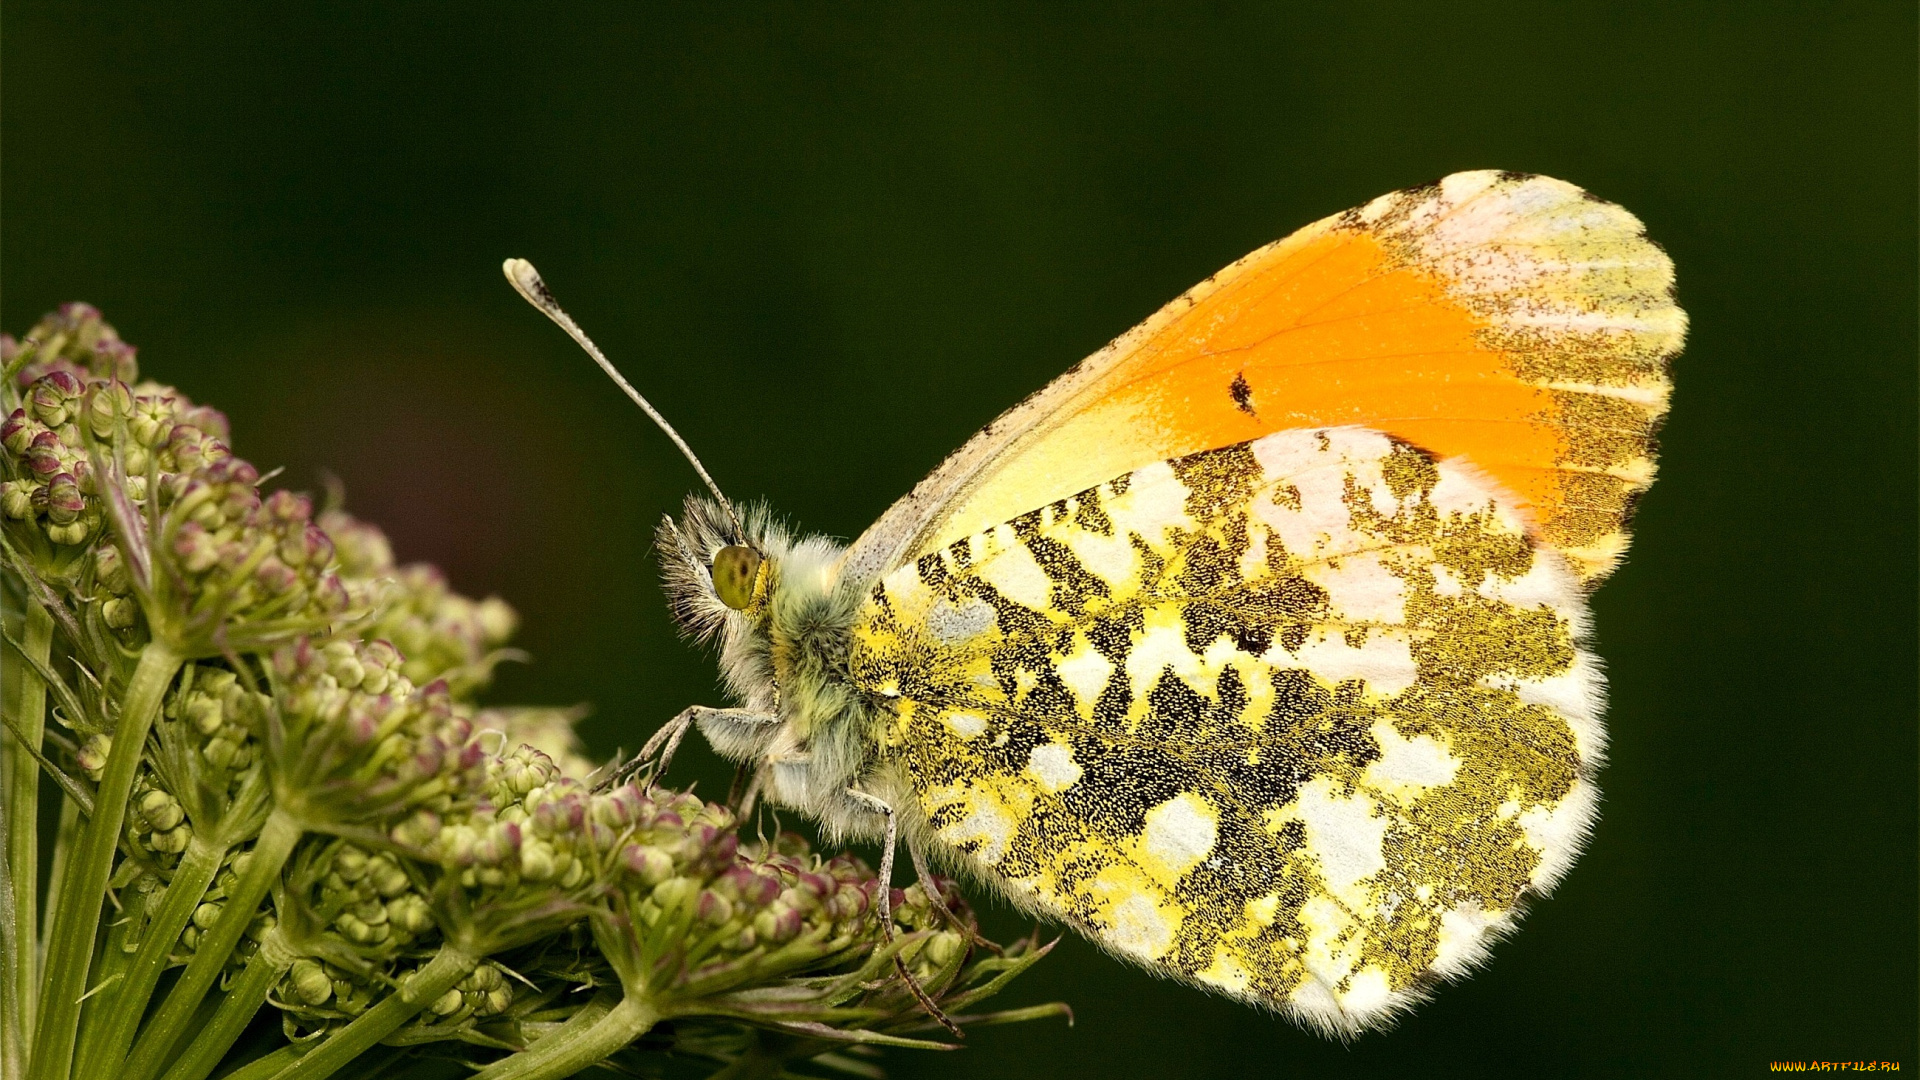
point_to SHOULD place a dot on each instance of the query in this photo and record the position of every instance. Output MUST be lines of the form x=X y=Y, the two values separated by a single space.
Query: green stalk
x=442 y=973
x=64 y=838
x=116 y=954
x=102 y=1048
x=157 y=1038
x=237 y=1010
x=71 y=946
x=569 y=1050
x=263 y=1068
x=29 y=715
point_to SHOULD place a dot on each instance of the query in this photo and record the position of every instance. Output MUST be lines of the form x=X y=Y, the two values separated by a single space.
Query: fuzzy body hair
x=784 y=663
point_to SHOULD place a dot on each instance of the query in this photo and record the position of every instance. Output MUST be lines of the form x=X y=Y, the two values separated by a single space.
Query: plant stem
x=569 y=1050
x=114 y=957
x=243 y=1000
x=64 y=839
x=103 y=1048
x=29 y=715
x=448 y=966
x=262 y=1068
x=71 y=946
x=158 y=1036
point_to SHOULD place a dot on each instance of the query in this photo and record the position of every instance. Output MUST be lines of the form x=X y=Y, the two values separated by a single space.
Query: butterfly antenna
x=526 y=281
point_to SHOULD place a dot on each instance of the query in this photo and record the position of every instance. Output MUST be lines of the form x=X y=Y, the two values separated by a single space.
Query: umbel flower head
x=349 y=739
x=272 y=746
x=440 y=633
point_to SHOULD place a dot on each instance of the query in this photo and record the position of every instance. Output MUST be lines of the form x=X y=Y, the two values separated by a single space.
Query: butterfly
x=1255 y=646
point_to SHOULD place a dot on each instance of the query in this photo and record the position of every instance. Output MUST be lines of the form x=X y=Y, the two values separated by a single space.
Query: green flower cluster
x=442 y=634
x=276 y=784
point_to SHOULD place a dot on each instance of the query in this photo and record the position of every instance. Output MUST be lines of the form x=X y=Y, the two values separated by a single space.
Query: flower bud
x=778 y=924
x=537 y=861
x=106 y=401
x=713 y=908
x=110 y=568
x=650 y=864
x=72 y=533
x=386 y=876
x=173 y=841
x=43 y=454
x=309 y=981
x=161 y=810
x=120 y=613
x=64 y=501
x=52 y=397
x=17 y=432
x=92 y=756
x=206 y=915
x=941 y=948
x=410 y=914
x=220 y=752
x=16 y=499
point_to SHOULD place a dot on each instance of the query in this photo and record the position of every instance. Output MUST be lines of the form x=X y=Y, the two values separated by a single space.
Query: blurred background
x=830 y=242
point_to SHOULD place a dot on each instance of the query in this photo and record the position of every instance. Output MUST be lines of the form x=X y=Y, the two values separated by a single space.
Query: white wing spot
x=1181 y=831
x=1052 y=767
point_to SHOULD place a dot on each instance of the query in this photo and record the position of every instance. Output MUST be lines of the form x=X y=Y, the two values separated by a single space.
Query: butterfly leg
x=932 y=889
x=715 y=721
x=883 y=905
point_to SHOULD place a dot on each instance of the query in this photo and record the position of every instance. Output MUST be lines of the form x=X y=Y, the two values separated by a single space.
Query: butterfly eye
x=734 y=568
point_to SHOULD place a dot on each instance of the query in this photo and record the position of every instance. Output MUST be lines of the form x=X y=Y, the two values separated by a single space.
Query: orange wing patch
x=1512 y=320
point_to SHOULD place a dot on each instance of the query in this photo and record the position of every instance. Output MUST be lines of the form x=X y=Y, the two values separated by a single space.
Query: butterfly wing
x=1302 y=719
x=1515 y=320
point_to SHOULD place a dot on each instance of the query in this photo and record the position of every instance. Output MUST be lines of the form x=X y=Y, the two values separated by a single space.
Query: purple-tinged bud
x=713 y=908
x=18 y=431
x=43 y=454
x=276 y=577
x=288 y=507
x=115 y=359
x=64 y=501
x=848 y=902
x=196 y=548
x=53 y=395
x=779 y=924
x=651 y=865
x=331 y=596
x=92 y=756
x=817 y=887
x=183 y=442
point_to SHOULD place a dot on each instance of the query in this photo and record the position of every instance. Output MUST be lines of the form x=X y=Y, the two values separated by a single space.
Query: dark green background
x=832 y=242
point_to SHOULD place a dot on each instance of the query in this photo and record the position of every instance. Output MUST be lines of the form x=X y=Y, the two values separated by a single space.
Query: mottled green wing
x=1301 y=719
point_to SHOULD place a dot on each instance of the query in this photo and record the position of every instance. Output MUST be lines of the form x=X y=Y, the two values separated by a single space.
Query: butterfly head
x=718 y=572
